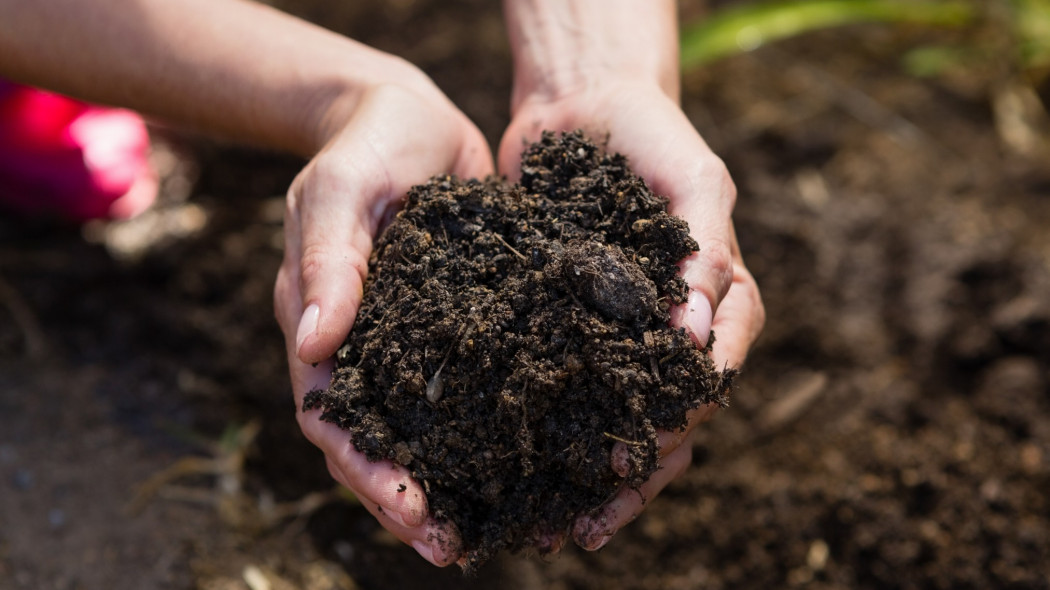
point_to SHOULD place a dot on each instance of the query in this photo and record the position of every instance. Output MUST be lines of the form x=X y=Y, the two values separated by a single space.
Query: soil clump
x=511 y=334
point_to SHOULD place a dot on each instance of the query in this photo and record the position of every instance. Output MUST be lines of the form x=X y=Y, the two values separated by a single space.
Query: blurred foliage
x=1001 y=45
x=741 y=27
x=1031 y=21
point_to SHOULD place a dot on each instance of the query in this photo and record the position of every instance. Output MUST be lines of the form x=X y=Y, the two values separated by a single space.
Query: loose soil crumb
x=510 y=335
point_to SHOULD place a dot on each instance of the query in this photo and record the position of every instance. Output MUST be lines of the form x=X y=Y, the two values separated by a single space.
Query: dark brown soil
x=891 y=431
x=510 y=335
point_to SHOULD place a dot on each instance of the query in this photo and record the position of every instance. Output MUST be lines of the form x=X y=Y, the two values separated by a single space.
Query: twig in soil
x=226 y=463
x=670 y=356
x=511 y=248
x=234 y=506
x=24 y=318
x=435 y=385
x=386 y=313
x=633 y=443
x=805 y=389
x=654 y=365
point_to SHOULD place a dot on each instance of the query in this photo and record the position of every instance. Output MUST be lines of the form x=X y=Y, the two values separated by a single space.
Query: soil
x=891 y=428
x=511 y=334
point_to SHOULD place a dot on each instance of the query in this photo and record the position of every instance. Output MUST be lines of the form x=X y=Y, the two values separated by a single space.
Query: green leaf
x=936 y=60
x=1032 y=26
x=742 y=28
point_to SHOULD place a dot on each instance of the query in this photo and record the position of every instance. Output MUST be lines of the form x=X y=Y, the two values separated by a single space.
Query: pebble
x=56 y=517
x=23 y=480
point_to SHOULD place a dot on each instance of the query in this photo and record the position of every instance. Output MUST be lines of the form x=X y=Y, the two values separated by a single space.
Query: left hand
x=642 y=122
x=397 y=135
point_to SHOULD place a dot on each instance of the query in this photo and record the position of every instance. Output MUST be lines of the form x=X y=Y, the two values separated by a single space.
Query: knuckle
x=728 y=190
x=282 y=296
x=358 y=262
x=312 y=265
x=760 y=316
x=717 y=255
x=305 y=425
x=292 y=199
x=709 y=176
x=394 y=96
x=334 y=473
x=758 y=307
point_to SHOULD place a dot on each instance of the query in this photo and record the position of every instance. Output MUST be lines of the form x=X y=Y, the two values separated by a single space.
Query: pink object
x=63 y=158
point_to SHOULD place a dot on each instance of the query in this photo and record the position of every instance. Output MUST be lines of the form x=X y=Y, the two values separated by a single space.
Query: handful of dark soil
x=510 y=335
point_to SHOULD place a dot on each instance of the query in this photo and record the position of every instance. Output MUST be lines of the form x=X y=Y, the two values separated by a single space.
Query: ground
x=891 y=428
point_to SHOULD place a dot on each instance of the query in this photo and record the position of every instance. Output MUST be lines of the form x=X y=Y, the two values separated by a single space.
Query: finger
x=354 y=185
x=528 y=125
x=593 y=532
x=475 y=157
x=709 y=271
x=738 y=324
x=620 y=459
x=739 y=321
x=551 y=544
x=287 y=302
x=667 y=440
x=741 y=317
x=385 y=484
x=335 y=206
x=436 y=542
x=695 y=315
x=521 y=131
x=666 y=151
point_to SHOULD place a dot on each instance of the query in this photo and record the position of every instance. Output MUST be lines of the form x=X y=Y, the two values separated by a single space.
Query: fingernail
x=583 y=531
x=698 y=317
x=620 y=460
x=396 y=517
x=307 y=325
x=551 y=543
x=425 y=550
x=414 y=517
x=409 y=505
x=602 y=542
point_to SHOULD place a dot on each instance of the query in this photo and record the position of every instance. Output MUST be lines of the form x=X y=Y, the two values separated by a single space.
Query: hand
x=645 y=124
x=374 y=125
x=395 y=136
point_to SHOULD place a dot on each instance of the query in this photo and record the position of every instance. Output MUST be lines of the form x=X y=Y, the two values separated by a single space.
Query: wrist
x=330 y=103
x=563 y=48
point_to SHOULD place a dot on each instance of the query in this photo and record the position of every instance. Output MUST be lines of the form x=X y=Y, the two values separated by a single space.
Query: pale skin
x=252 y=73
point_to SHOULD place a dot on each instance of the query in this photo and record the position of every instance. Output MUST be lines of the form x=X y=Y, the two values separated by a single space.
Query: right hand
x=394 y=136
x=641 y=121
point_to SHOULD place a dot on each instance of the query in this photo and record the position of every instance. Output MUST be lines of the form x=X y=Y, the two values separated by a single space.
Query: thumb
x=334 y=209
x=515 y=139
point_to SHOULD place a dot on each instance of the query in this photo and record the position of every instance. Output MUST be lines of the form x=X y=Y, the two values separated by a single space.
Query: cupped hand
x=393 y=137
x=642 y=122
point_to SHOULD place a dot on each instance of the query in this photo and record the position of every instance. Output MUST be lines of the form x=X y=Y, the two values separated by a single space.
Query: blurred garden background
x=890 y=430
